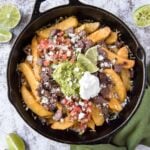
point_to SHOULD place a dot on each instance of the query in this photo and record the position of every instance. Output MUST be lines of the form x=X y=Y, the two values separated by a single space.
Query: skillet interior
x=82 y=12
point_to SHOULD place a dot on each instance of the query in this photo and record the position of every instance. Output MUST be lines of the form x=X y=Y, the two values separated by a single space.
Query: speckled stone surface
x=10 y=121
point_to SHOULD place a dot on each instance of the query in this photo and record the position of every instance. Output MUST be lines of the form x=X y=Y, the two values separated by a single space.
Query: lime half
x=87 y=64
x=141 y=16
x=9 y=16
x=92 y=54
x=15 y=142
x=5 y=36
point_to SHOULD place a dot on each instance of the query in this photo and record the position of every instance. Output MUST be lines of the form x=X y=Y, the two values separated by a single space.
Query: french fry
x=100 y=34
x=33 y=104
x=118 y=84
x=127 y=63
x=112 y=38
x=125 y=76
x=91 y=124
x=65 y=24
x=29 y=75
x=114 y=105
x=123 y=52
x=59 y=106
x=88 y=27
x=62 y=125
x=97 y=116
x=36 y=67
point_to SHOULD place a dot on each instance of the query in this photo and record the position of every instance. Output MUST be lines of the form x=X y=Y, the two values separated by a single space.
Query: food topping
x=89 y=82
x=77 y=78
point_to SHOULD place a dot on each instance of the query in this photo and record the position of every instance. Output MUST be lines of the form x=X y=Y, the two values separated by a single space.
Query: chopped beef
x=54 y=32
x=118 y=68
x=104 y=79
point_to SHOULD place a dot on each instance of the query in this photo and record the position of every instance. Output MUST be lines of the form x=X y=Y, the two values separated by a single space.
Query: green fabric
x=137 y=131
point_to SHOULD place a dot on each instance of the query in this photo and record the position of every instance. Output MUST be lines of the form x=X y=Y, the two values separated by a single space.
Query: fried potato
x=62 y=125
x=112 y=38
x=100 y=34
x=127 y=63
x=59 y=106
x=125 y=76
x=97 y=116
x=29 y=75
x=118 y=84
x=114 y=105
x=36 y=67
x=63 y=25
x=33 y=104
x=91 y=124
x=123 y=52
x=88 y=27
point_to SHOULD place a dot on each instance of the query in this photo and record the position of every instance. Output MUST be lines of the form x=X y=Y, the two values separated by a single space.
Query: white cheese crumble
x=100 y=57
x=81 y=103
x=44 y=100
x=89 y=86
x=81 y=115
x=29 y=58
x=78 y=49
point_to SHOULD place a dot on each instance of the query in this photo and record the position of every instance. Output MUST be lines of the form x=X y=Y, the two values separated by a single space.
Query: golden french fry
x=118 y=84
x=114 y=105
x=65 y=24
x=59 y=106
x=62 y=125
x=97 y=116
x=33 y=104
x=123 y=52
x=127 y=63
x=112 y=38
x=100 y=34
x=88 y=27
x=29 y=75
x=35 y=54
x=91 y=124
x=125 y=76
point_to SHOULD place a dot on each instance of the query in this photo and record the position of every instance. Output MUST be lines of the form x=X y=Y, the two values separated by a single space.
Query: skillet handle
x=36 y=8
x=142 y=56
x=36 y=13
x=75 y=2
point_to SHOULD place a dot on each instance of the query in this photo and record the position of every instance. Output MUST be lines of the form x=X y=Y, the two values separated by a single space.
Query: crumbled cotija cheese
x=29 y=58
x=81 y=115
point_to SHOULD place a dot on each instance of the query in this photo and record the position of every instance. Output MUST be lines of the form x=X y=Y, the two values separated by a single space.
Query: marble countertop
x=10 y=121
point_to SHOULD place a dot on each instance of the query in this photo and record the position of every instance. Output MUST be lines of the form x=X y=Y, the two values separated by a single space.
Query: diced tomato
x=60 y=33
x=46 y=63
x=64 y=56
x=77 y=109
x=44 y=43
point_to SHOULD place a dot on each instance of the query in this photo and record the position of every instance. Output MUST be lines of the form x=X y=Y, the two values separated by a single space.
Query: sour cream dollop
x=89 y=86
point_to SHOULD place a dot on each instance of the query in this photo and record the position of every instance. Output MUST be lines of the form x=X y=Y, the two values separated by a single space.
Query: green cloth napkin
x=137 y=131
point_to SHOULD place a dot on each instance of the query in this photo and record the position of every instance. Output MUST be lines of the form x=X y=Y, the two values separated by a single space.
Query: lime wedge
x=92 y=54
x=15 y=142
x=141 y=16
x=87 y=64
x=5 y=36
x=9 y=16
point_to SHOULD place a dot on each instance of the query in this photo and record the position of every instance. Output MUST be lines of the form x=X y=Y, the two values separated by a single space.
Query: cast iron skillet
x=82 y=11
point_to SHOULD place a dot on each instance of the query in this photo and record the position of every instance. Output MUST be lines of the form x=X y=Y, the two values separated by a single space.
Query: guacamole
x=67 y=75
